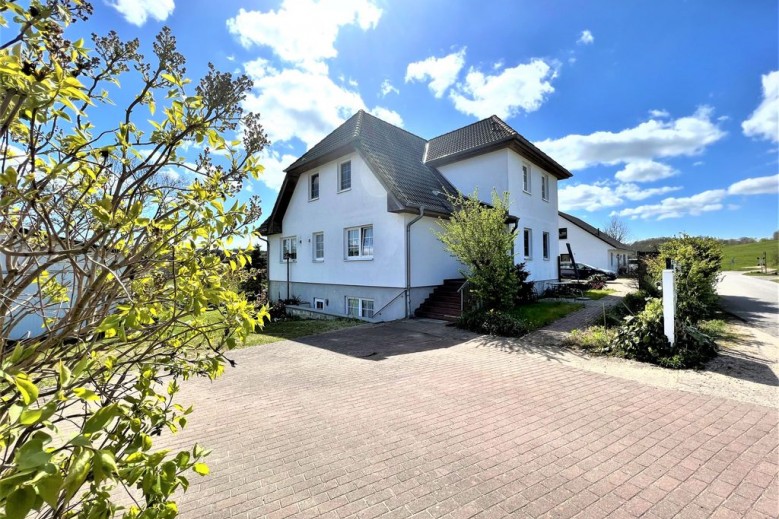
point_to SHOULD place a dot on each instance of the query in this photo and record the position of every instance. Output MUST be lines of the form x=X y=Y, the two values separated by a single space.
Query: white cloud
x=588 y=197
x=645 y=171
x=594 y=197
x=274 y=164
x=756 y=186
x=303 y=31
x=659 y=114
x=651 y=139
x=524 y=87
x=137 y=12
x=385 y=114
x=764 y=121
x=303 y=104
x=695 y=205
x=442 y=72
x=387 y=88
x=586 y=38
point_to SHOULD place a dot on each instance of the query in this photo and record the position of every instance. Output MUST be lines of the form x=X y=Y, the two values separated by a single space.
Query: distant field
x=744 y=256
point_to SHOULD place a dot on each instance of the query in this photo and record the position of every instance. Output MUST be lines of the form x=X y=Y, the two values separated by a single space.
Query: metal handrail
x=402 y=292
x=461 y=291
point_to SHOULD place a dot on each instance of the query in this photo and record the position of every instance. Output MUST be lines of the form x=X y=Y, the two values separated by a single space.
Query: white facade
x=502 y=171
x=336 y=278
x=590 y=249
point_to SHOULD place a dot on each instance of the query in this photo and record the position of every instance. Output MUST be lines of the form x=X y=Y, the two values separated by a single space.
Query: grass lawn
x=538 y=315
x=598 y=293
x=292 y=329
x=744 y=255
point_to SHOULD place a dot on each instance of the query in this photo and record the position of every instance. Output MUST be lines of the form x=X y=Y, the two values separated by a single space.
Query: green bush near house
x=518 y=321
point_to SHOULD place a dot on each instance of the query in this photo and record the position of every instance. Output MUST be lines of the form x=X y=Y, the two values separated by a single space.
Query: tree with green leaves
x=697 y=262
x=479 y=237
x=117 y=247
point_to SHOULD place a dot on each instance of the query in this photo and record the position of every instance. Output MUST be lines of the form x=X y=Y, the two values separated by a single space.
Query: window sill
x=318 y=260
x=359 y=258
x=313 y=199
x=527 y=192
x=344 y=190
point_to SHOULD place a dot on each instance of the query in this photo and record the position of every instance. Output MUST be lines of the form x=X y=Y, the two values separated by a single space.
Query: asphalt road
x=753 y=299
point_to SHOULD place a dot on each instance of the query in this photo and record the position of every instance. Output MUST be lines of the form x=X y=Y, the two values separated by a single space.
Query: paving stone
x=440 y=425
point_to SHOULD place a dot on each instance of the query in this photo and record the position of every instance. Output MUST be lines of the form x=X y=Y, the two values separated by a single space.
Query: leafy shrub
x=596 y=282
x=525 y=289
x=278 y=311
x=641 y=337
x=631 y=304
x=492 y=322
x=595 y=339
x=697 y=261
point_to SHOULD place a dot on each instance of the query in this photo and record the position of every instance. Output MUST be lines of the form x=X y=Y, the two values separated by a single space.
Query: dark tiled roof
x=402 y=161
x=475 y=136
x=594 y=231
x=485 y=136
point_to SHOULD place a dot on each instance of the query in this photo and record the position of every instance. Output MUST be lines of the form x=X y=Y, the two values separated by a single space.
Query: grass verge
x=598 y=293
x=537 y=315
x=295 y=328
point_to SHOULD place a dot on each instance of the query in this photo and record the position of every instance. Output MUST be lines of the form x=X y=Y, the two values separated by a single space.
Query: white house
x=352 y=230
x=591 y=245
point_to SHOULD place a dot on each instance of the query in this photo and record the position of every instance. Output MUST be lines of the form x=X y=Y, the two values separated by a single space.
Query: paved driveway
x=411 y=420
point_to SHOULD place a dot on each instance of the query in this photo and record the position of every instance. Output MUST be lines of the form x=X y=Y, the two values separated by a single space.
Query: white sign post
x=669 y=302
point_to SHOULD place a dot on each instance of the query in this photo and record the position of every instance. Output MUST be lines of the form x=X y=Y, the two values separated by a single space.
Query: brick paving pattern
x=413 y=420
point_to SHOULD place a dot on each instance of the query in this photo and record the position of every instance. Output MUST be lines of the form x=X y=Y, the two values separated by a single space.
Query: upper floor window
x=345 y=176
x=545 y=187
x=527 y=236
x=526 y=177
x=289 y=249
x=562 y=233
x=318 y=246
x=546 y=245
x=313 y=187
x=359 y=242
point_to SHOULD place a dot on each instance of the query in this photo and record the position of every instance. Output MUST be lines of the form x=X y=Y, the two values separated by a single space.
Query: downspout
x=408 y=259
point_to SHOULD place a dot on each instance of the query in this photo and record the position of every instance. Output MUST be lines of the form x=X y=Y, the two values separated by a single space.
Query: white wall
x=586 y=247
x=364 y=204
x=502 y=170
x=430 y=262
x=484 y=172
x=536 y=214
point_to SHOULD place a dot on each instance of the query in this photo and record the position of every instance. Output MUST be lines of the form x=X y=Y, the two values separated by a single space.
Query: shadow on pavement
x=384 y=340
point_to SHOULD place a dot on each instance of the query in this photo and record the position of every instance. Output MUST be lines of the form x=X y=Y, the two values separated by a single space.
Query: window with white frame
x=318 y=246
x=545 y=187
x=289 y=249
x=345 y=176
x=546 y=245
x=359 y=242
x=526 y=177
x=359 y=307
x=527 y=239
x=313 y=187
x=319 y=304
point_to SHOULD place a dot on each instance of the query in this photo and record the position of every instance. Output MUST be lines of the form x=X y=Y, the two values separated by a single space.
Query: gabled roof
x=405 y=163
x=594 y=231
x=484 y=136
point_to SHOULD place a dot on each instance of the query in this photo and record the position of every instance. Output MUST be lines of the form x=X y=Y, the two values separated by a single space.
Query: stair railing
x=376 y=314
x=467 y=301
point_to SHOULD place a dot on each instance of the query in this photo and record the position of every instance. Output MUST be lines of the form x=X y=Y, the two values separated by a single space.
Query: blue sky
x=665 y=111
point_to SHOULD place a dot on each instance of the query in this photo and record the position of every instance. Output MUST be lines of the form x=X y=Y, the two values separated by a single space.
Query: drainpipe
x=408 y=259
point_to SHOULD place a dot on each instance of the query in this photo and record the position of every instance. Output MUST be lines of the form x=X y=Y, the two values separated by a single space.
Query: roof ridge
x=393 y=125
x=512 y=130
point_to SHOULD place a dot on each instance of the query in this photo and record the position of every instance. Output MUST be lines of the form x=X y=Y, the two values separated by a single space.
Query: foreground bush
x=697 y=261
x=641 y=338
x=492 y=322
